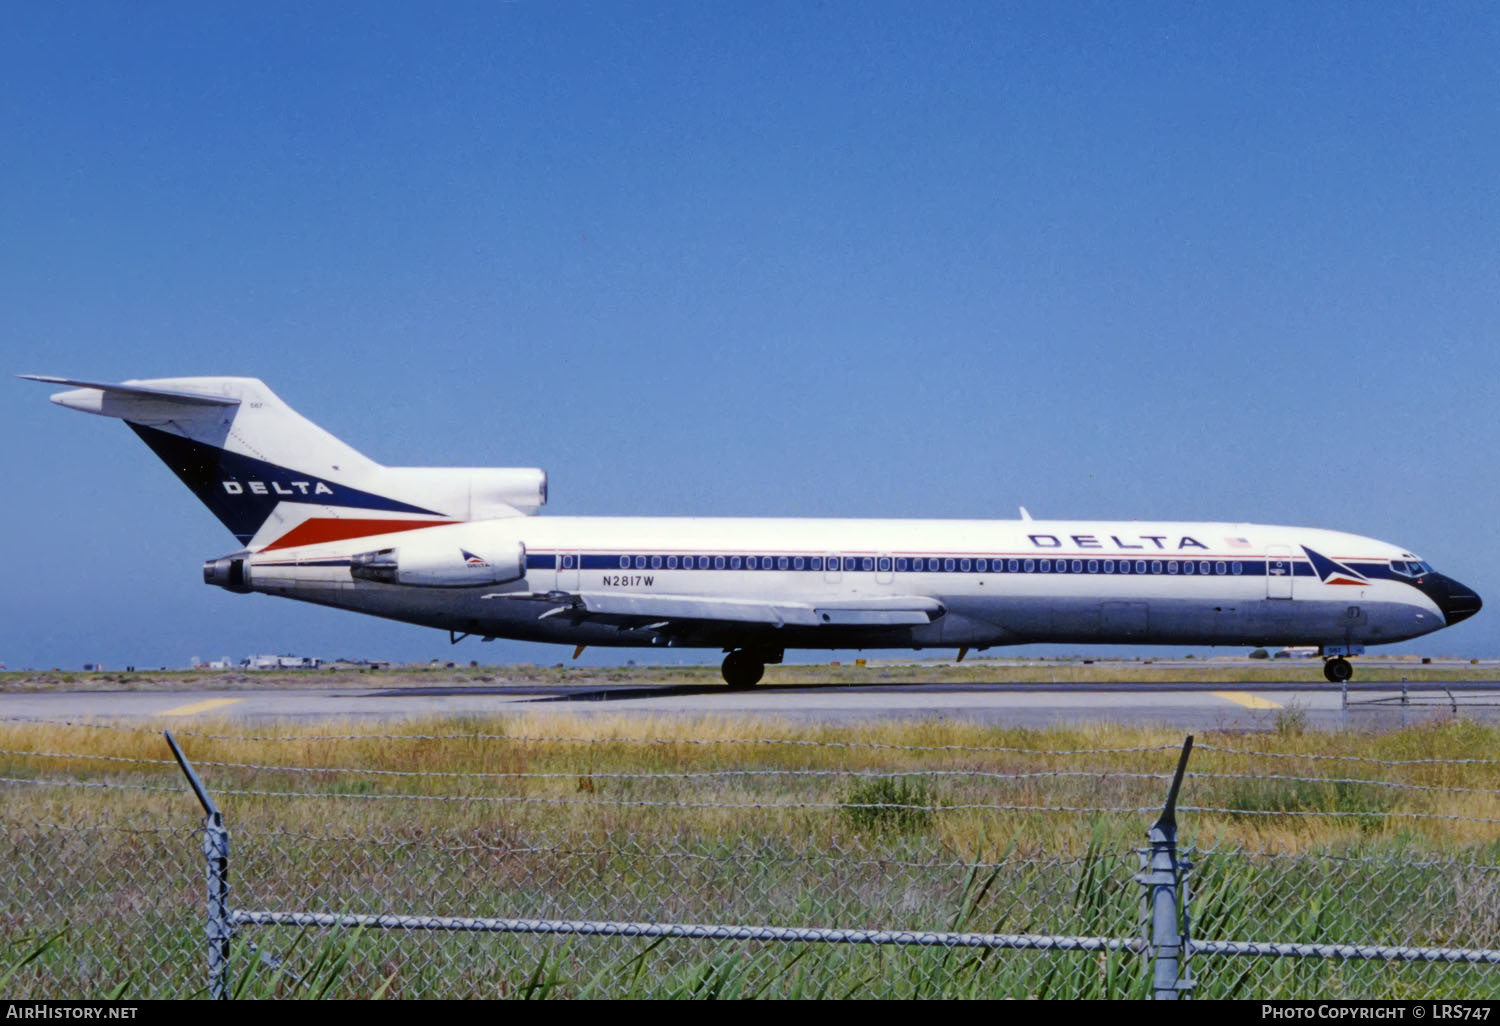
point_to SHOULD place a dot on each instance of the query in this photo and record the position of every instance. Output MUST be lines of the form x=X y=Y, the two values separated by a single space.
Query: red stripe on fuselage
x=332 y=529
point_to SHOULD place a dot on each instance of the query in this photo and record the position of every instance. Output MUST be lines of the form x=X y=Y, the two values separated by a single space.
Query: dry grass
x=583 y=796
x=117 y=870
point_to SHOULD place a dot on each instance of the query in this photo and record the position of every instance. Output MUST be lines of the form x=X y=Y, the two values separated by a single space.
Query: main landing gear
x=1337 y=670
x=743 y=668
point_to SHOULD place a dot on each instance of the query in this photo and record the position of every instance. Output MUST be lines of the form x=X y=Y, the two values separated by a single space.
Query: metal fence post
x=216 y=859
x=1162 y=877
x=216 y=863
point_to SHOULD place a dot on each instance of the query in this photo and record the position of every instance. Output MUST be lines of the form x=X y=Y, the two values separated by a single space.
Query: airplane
x=462 y=549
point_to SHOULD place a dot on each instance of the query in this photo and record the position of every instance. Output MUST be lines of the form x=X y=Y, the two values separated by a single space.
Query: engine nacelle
x=470 y=493
x=439 y=563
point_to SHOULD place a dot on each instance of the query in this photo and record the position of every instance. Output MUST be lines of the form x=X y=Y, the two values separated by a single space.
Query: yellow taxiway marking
x=1248 y=700
x=200 y=707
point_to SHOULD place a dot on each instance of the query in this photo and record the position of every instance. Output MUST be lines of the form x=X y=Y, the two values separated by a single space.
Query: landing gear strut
x=1337 y=670
x=743 y=668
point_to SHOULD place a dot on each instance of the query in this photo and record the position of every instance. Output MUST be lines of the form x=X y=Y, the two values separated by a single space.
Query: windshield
x=1411 y=567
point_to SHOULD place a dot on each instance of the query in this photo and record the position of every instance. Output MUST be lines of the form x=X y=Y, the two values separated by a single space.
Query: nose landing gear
x=1337 y=670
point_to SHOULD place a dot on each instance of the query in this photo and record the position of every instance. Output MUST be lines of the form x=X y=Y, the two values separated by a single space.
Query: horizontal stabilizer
x=122 y=399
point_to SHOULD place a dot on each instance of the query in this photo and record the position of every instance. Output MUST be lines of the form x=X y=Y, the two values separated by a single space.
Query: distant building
x=282 y=662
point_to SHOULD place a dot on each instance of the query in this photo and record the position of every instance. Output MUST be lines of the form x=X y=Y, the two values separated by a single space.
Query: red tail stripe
x=331 y=529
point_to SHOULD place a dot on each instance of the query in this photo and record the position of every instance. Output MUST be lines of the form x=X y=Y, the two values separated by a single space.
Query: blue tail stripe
x=243 y=491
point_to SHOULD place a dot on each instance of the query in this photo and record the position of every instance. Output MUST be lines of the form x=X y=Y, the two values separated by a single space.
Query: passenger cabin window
x=885 y=564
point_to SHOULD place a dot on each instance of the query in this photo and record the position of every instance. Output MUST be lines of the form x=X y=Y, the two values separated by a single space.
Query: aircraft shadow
x=539 y=694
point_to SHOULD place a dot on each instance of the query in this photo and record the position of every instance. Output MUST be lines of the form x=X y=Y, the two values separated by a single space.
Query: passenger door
x=1278 y=572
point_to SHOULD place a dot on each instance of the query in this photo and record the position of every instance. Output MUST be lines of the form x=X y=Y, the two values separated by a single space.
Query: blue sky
x=1196 y=261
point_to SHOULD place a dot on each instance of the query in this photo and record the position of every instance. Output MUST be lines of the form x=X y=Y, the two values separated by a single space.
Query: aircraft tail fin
x=276 y=479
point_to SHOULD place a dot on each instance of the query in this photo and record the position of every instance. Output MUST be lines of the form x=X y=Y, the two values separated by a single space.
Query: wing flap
x=627 y=608
x=693 y=607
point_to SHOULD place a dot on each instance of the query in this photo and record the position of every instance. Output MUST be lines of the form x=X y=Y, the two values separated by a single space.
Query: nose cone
x=1457 y=602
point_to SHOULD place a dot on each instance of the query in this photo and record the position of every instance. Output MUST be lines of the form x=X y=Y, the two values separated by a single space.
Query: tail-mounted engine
x=440 y=563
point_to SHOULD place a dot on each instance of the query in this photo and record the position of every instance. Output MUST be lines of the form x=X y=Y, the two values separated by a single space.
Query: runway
x=1187 y=705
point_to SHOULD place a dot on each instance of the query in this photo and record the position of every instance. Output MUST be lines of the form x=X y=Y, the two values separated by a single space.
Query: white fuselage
x=995 y=582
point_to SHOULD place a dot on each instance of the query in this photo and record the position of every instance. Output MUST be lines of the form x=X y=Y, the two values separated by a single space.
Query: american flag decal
x=1237 y=543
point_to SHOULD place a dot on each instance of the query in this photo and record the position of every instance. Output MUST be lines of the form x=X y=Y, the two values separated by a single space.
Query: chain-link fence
x=1001 y=872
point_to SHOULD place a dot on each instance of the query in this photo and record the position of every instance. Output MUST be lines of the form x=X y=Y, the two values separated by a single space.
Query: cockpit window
x=1411 y=567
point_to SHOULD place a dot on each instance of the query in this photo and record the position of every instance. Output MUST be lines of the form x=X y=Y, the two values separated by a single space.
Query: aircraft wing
x=627 y=610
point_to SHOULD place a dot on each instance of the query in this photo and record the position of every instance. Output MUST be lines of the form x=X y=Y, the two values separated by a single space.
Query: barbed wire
x=763 y=806
x=752 y=774
x=608 y=775
x=548 y=800
x=1324 y=757
x=729 y=774
x=1373 y=814
x=561 y=739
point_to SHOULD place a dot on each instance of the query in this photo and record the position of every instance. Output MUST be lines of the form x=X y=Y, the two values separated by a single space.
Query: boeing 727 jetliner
x=460 y=549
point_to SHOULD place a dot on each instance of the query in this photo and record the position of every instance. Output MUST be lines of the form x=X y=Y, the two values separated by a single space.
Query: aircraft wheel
x=742 y=669
x=1337 y=670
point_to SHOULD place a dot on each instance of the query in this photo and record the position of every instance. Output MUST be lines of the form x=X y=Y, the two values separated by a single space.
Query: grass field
x=1352 y=837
